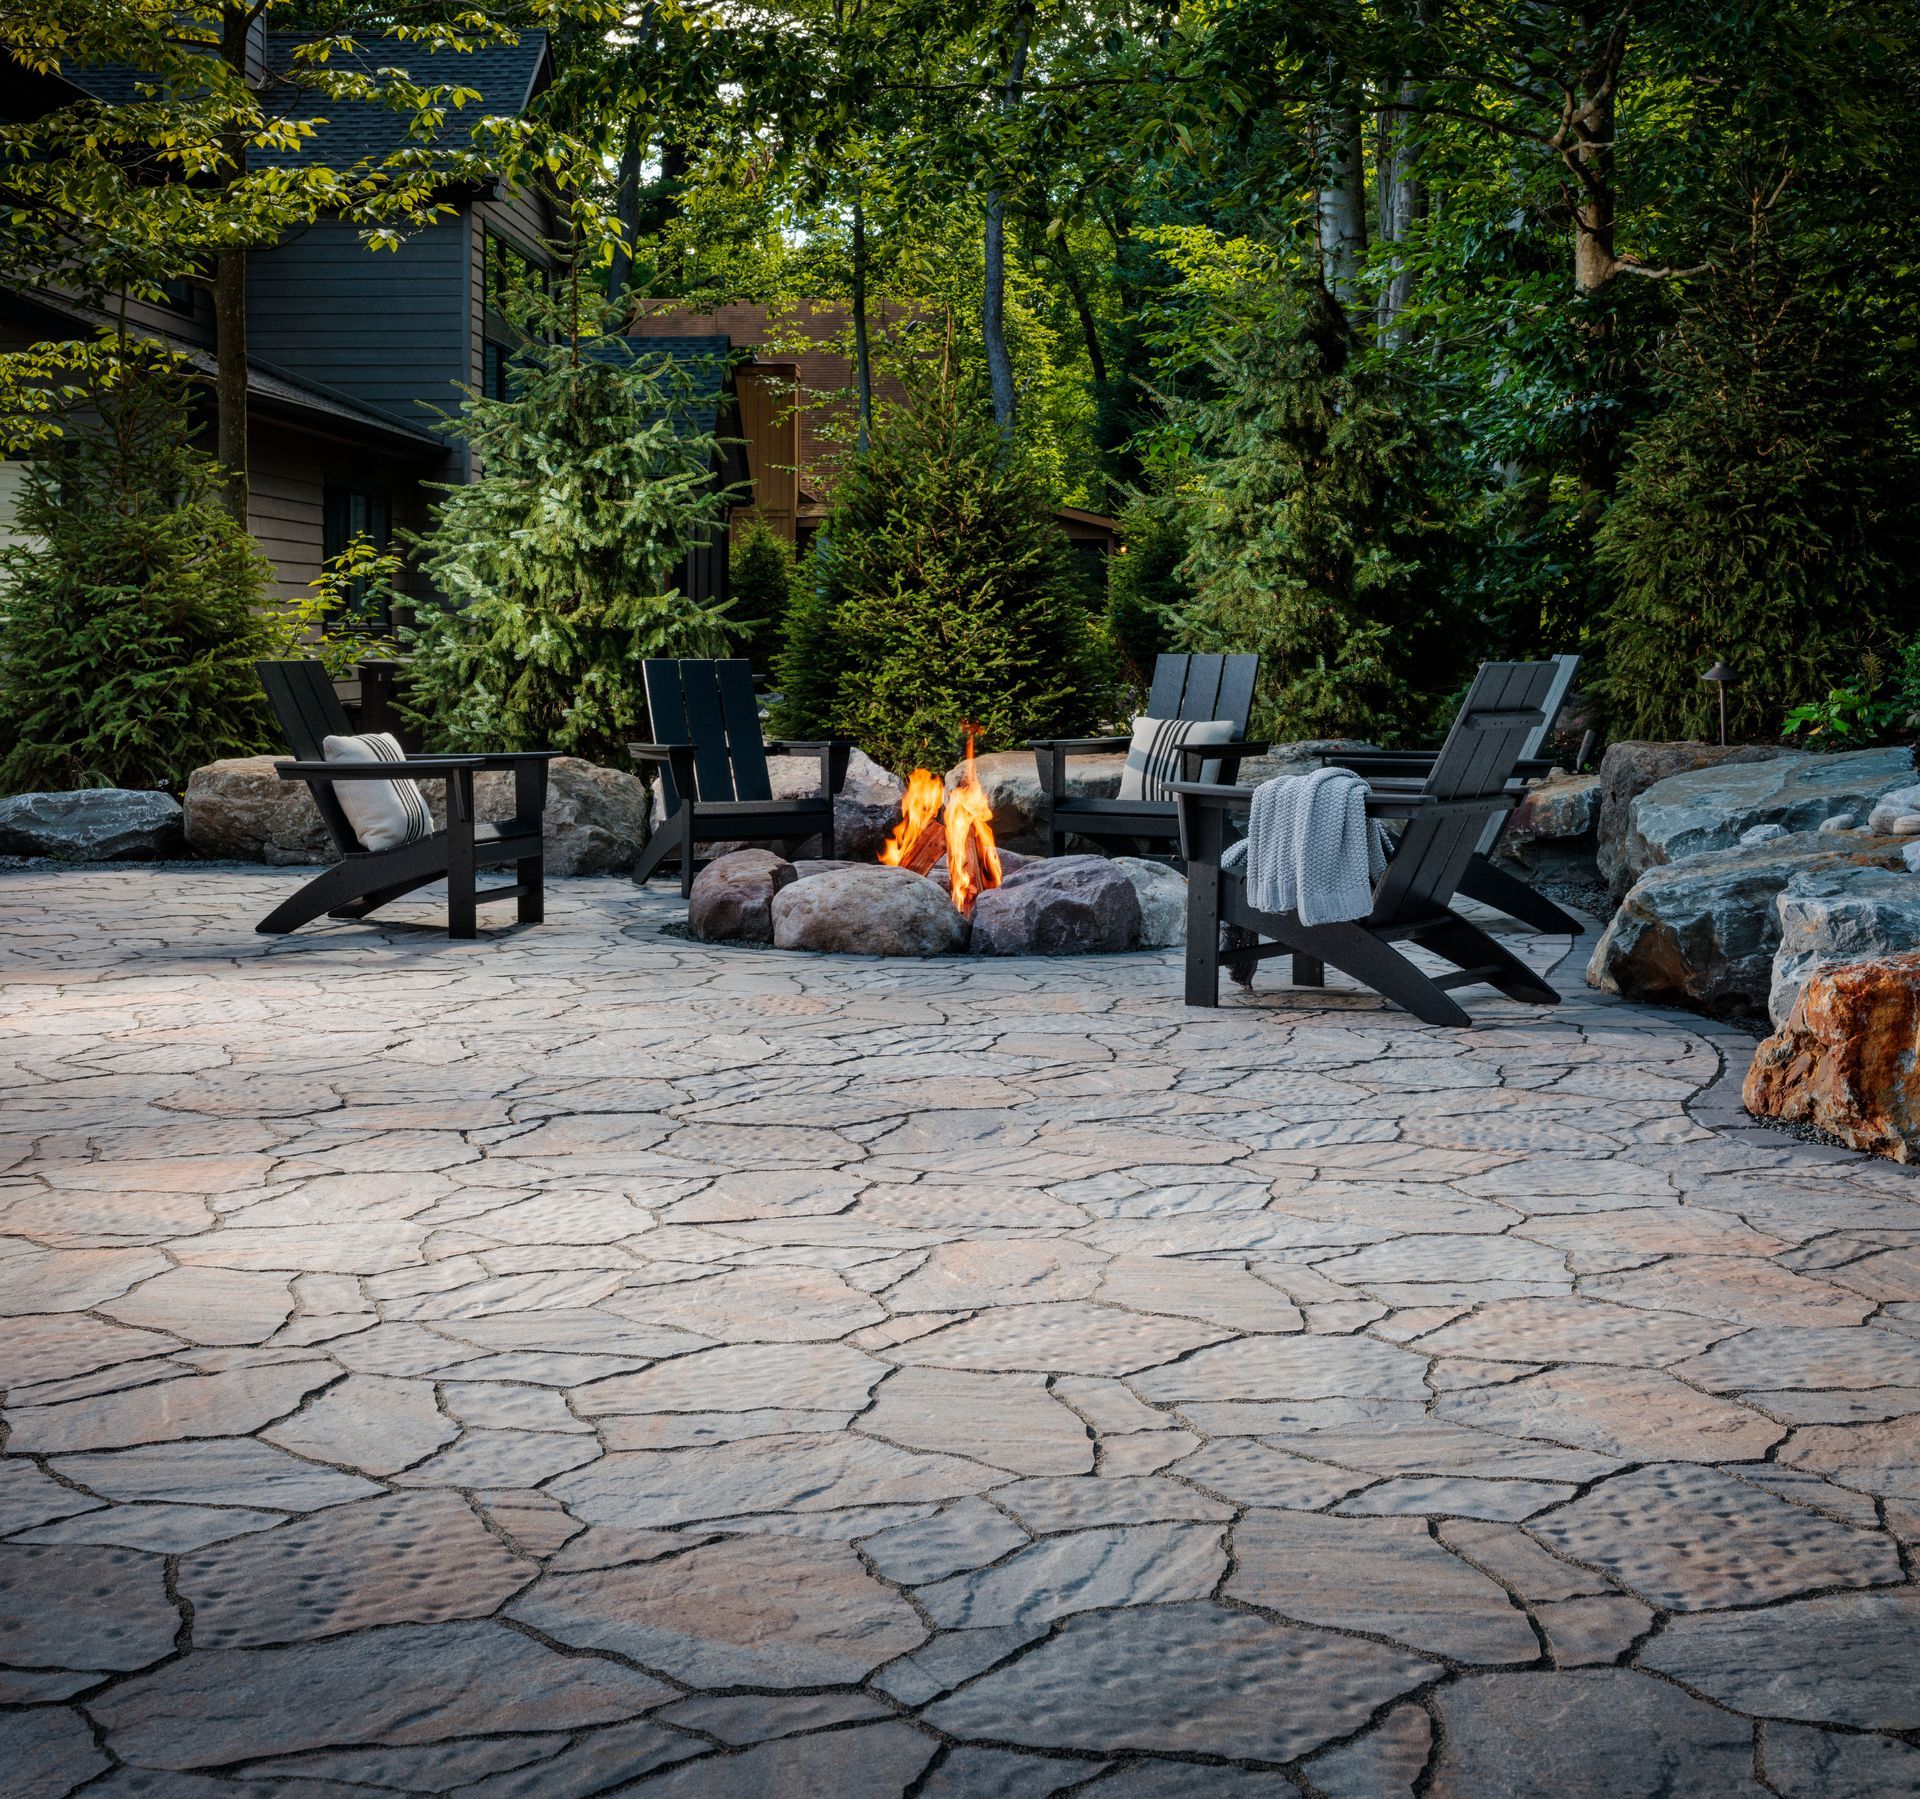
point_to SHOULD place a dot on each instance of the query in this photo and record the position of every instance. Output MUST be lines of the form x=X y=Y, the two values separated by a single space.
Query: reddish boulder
x=1844 y=1062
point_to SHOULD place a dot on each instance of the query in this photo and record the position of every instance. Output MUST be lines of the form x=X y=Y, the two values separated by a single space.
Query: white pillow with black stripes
x=1153 y=758
x=384 y=814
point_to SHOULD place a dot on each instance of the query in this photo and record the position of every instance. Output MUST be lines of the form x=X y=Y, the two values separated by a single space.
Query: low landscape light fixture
x=1720 y=674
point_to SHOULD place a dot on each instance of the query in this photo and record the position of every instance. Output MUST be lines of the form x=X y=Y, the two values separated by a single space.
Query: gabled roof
x=506 y=76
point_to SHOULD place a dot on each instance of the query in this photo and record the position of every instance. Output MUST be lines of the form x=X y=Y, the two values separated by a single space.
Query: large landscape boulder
x=596 y=819
x=1702 y=933
x=867 y=911
x=1629 y=768
x=92 y=824
x=1835 y=916
x=1069 y=906
x=865 y=810
x=1011 y=780
x=733 y=897
x=1555 y=830
x=239 y=810
x=1711 y=808
x=1162 y=893
x=1298 y=756
x=1844 y=1062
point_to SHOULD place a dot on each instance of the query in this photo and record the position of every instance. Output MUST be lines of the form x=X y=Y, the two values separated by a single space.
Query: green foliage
x=559 y=563
x=761 y=580
x=132 y=609
x=940 y=591
x=1145 y=591
x=1844 y=720
x=1765 y=516
x=1315 y=542
x=338 y=620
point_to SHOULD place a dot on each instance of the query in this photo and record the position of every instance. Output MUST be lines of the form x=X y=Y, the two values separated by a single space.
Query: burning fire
x=958 y=825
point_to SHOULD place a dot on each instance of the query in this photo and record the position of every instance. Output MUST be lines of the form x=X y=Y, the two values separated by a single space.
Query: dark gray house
x=353 y=353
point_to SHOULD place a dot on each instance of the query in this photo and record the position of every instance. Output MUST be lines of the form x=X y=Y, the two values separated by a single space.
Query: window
x=507 y=274
x=358 y=511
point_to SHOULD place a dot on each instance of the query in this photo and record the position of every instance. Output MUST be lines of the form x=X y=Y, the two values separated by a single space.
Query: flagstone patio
x=584 y=1357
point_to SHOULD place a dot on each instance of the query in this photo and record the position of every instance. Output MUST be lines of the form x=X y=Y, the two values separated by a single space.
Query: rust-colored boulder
x=1844 y=1063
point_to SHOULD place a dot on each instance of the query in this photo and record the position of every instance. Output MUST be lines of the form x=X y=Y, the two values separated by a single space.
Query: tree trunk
x=1403 y=201
x=1343 y=206
x=1089 y=329
x=862 y=356
x=230 y=302
x=626 y=201
x=1589 y=152
x=993 y=315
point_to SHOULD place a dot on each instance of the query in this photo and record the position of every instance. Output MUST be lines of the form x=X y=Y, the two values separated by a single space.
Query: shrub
x=1314 y=540
x=558 y=564
x=761 y=581
x=940 y=591
x=133 y=608
x=1767 y=516
x=1145 y=592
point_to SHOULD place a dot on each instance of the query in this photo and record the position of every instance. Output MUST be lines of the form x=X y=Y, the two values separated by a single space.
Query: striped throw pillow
x=1153 y=758
x=384 y=814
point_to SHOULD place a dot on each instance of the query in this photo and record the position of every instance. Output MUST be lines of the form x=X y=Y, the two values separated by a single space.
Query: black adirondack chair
x=1483 y=879
x=363 y=880
x=713 y=767
x=1468 y=783
x=1190 y=687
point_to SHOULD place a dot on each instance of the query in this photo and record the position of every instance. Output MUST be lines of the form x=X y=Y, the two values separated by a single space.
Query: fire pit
x=941 y=886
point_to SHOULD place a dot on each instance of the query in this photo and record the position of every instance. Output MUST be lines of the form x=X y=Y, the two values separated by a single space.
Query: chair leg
x=462 y=919
x=531 y=874
x=1356 y=951
x=1464 y=944
x=1203 y=936
x=333 y=890
x=1309 y=971
x=1494 y=887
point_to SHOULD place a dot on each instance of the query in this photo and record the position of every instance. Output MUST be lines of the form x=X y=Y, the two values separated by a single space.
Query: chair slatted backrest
x=302 y=697
x=1204 y=687
x=711 y=706
x=1503 y=707
x=1565 y=668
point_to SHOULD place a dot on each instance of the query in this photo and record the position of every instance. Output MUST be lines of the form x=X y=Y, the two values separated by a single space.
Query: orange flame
x=973 y=859
x=926 y=794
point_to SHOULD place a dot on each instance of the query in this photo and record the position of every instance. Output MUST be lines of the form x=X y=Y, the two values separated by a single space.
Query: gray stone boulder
x=1011 y=780
x=1555 y=830
x=92 y=824
x=1298 y=756
x=1162 y=893
x=1066 y=906
x=867 y=911
x=865 y=810
x=1835 y=916
x=1897 y=814
x=733 y=897
x=239 y=810
x=1713 y=808
x=596 y=819
x=1629 y=768
x=1703 y=933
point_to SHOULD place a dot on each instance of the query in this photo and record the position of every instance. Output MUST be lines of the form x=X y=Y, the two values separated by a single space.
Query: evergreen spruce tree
x=1769 y=516
x=559 y=562
x=939 y=593
x=1314 y=539
x=132 y=608
x=761 y=581
x=1146 y=592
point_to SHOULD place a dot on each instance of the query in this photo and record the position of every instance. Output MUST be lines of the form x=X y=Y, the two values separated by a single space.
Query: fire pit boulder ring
x=942 y=886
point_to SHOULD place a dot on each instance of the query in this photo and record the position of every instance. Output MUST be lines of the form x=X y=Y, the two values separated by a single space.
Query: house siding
x=381 y=327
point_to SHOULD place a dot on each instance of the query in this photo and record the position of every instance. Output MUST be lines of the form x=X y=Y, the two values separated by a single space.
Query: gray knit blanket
x=1310 y=847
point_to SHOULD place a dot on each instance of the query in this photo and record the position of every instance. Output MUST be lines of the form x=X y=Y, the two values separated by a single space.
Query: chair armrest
x=809 y=746
x=1208 y=794
x=1080 y=746
x=439 y=768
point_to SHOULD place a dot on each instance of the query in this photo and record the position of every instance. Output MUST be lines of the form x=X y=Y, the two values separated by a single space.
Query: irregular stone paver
x=756 y=1301
x=413 y=1558
x=1086 y=1570
x=1846 y=1660
x=1537 y=1736
x=1007 y=1420
x=1385 y=1576
x=1247 y=1687
x=47 y=1753
x=746 y=1611
x=1686 y=1538
x=416 y=1683
x=69 y=1607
